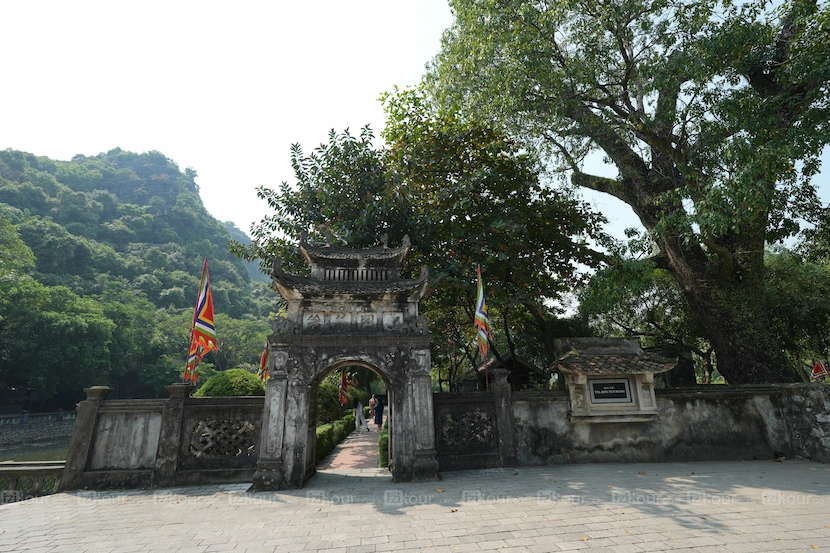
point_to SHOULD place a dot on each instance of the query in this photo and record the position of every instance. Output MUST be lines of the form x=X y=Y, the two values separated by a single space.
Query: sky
x=222 y=90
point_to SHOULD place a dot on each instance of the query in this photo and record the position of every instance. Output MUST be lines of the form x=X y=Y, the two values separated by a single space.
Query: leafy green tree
x=465 y=194
x=798 y=294
x=713 y=114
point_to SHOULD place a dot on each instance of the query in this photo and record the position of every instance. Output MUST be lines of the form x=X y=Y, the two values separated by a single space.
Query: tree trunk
x=730 y=304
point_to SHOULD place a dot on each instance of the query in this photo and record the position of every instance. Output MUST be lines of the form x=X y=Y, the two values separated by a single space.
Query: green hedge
x=383 y=446
x=329 y=435
x=233 y=382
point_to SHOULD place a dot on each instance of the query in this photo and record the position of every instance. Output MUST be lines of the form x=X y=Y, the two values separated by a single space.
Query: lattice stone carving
x=222 y=438
x=471 y=427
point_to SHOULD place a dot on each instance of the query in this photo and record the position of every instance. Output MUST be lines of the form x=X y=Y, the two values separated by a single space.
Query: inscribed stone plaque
x=609 y=390
x=341 y=319
x=313 y=321
x=366 y=320
x=392 y=321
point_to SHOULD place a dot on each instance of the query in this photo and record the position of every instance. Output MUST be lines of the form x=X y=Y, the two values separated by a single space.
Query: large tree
x=713 y=113
x=466 y=195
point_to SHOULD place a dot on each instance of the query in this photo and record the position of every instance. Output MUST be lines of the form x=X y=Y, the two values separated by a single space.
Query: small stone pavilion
x=610 y=379
x=354 y=309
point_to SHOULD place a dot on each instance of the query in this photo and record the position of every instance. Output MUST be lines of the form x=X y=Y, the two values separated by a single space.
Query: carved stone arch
x=354 y=309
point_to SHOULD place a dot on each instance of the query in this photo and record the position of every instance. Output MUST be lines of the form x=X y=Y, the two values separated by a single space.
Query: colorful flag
x=820 y=371
x=481 y=322
x=203 y=331
x=263 y=363
x=344 y=387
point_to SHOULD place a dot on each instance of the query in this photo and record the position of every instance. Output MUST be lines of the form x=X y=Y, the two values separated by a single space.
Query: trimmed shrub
x=233 y=382
x=383 y=446
x=329 y=435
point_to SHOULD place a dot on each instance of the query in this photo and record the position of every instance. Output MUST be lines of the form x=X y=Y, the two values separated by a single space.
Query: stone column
x=505 y=420
x=425 y=463
x=82 y=434
x=170 y=436
x=269 y=474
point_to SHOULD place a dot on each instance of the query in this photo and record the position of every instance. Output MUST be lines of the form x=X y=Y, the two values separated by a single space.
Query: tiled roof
x=622 y=363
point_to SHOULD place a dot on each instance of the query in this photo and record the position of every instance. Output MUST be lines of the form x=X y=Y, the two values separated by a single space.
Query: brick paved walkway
x=732 y=507
x=357 y=454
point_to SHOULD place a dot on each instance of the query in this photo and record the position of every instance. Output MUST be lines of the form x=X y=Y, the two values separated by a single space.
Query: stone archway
x=336 y=366
x=354 y=308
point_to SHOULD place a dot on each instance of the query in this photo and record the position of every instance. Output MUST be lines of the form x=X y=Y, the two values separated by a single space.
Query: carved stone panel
x=366 y=321
x=471 y=428
x=223 y=438
x=313 y=321
x=392 y=321
x=341 y=320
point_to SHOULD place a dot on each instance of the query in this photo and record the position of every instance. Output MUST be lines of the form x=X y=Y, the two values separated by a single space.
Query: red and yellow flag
x=481 y=322
x=263 y=363
x=203 y=331
x=344 y=387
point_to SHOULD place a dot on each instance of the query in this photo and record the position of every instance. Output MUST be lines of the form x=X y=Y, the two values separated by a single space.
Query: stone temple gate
x=354 y=309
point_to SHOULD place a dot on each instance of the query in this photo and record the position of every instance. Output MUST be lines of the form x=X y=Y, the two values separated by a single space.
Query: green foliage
x=328 y=397
x=713 y=114
x=465 y=194
x=329 y=435
x=233 y=382
x=383 y=446
x=100 y=259
x=798 y=295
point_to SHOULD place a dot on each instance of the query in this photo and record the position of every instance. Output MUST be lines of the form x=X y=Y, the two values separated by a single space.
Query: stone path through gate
x=356 y=455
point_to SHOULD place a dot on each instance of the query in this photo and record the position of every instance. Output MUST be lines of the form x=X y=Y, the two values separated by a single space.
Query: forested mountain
x=100 y=260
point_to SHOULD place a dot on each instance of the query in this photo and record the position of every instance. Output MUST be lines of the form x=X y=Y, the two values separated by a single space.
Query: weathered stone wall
x=155 y=442
x=692 y=424
x=806 y=410
x=126 y=435
x=36 y=432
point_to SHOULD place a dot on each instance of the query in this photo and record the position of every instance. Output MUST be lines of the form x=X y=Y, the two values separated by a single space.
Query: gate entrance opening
x=354 y=309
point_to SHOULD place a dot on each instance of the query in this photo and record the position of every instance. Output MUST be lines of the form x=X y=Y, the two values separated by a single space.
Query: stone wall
x=715 y=423
x=155 y=442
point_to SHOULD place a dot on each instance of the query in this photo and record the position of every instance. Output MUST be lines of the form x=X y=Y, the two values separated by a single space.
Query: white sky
x=222 y=88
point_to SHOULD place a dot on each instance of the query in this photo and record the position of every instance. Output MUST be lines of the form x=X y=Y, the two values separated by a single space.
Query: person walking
x=379 y=413
x=372 y=403
x=359 y=417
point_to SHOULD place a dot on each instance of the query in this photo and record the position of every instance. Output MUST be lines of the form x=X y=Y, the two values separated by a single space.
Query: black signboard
x=609 y=390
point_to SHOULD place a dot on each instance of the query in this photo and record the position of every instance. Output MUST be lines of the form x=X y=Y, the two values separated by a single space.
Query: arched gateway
x=353 y=310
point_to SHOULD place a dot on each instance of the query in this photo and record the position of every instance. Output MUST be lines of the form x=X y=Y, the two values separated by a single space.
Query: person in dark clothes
x=379 y=414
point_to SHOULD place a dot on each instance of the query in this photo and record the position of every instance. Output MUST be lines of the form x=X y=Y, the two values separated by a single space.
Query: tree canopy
x=714 y=115
x=466 y=195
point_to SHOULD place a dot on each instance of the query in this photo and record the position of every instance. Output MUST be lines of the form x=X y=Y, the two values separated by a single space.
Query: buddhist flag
x=344 y=387
x=820 y=371
x=203 y=331
x=263 y=363
x=481 y=322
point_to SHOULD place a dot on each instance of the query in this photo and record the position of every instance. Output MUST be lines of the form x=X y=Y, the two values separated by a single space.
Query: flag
x=344 y=387
x=263 y=363
x=203 y=331
x=820 y=371
x=481 y=322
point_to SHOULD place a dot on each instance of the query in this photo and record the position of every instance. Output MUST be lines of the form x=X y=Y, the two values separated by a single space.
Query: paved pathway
x=732 y=507
x=356 y=455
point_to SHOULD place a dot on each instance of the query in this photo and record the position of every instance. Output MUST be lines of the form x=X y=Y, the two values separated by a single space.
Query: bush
x=328 y=401
x=233 y=382
x=383 y=446
x=329 y=435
